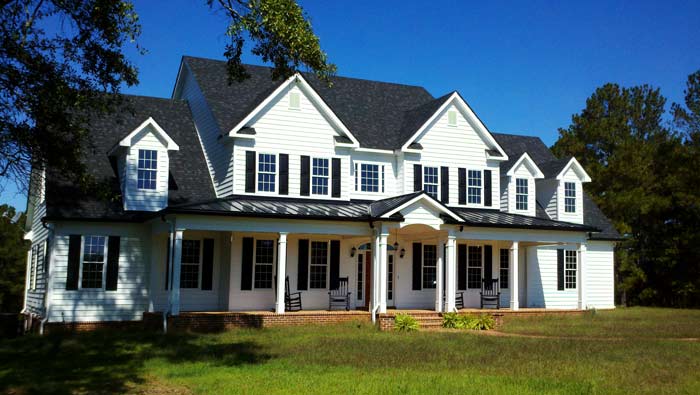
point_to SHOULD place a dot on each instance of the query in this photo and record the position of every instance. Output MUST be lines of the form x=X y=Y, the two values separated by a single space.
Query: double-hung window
x=191 y=260
x=431 y=181
x=93 y=262
x=474 y=187
x=570 y=263
x=521 y=193
x=369 y=177
x=429 y=266
x=267 y=172
x=319 y=176
x=147 y=169
x=318 y=268
x=505 y=268
x=474 y=267
x=570 y=197
x=264 y=261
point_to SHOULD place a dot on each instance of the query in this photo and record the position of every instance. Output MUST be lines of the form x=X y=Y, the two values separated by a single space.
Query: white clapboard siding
x=542 y=281
x=146 y=199
x=600 y=277
x=216 y=153
x=35 y=296
x=130 y=299
x=456 y=147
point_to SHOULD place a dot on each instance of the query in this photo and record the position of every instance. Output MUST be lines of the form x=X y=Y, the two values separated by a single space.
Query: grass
x=356 y=358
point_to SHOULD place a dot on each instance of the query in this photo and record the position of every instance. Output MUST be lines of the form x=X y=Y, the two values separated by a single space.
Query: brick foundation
x=54 y=327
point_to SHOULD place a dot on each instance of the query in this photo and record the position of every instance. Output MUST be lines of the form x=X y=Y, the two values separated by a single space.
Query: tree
x=282 y=34
x=13 y=259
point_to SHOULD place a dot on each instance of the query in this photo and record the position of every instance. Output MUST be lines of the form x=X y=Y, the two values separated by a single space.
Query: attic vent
x=294 y=100
x=452 y=118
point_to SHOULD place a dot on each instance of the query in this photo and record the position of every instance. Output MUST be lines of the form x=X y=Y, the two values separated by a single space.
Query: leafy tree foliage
x=13 y=259
x=642 y=169
x=281 y=33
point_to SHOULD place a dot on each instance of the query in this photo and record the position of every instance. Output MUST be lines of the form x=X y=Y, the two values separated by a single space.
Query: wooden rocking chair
x=292 y=300
x=490 y=293
x=339 y=297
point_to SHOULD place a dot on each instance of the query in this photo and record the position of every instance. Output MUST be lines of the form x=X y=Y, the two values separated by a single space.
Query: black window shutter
x=247 y=264
x=167 y=264
x=417 y=178
x=445 y=184
x=488 y=263
x=284 y=174
x=74 y=243
x=461 y=266
x=250 y=171
x=417 y=266
x=112 y=275
x=335 y=264
x=303 y=265
x=560 y=270
x=305 y=180
x=207 y=264
x=462 y=175
x=335 y=182
x=488 y=191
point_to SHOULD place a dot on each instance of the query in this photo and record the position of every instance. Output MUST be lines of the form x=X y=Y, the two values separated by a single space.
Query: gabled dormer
x=143 y=165
x=561 y=190
x=518 y=185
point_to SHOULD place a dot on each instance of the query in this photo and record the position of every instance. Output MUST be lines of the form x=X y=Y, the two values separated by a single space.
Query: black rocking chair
x=339 y=297
x=490 y=293
x=292 y=300
x=459 y=300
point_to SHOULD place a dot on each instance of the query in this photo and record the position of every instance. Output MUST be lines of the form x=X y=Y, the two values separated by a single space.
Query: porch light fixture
x=396 y=245
x=402 y=253
x=352 y=252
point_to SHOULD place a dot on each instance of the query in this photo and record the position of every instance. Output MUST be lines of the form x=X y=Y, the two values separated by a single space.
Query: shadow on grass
x=107 y=362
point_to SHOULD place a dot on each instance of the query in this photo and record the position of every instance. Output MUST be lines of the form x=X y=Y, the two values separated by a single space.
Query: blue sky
x=524 y=67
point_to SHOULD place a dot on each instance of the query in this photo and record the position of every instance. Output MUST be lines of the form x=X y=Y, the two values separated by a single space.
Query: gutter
x=170 y=274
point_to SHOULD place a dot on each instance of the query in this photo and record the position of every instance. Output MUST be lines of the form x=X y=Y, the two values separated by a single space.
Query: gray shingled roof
x=189 y=183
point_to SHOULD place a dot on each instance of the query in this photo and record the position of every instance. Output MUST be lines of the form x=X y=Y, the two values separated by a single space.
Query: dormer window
x=570 y=197
x=294 y=101
x=147 y=169
x=452 y=118
x=521 y=194
x=431 y=181
x=267 y=172
x=474 y=187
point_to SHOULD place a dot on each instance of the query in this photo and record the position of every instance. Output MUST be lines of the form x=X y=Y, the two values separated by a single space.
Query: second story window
x=521 y=193
x=369 y=177
x=319 y=179
x=570 y=197
x=474 y=187
x=267 y=171
x=148 y=162
x=430 y=181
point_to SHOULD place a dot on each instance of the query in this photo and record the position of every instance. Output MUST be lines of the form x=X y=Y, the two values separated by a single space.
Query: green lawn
x=356 y=358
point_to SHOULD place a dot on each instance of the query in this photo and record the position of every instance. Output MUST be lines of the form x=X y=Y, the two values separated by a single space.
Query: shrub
x=483 y=322
x=405 y=323
x=451 y=320
x=457 y=321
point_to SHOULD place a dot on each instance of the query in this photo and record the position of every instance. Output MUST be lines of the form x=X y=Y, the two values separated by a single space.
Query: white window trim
x=481 y=188
x=138 y=152
x=329 y=177
x=573 y=253
x=422 y=263
x=527 y=195
x=483 y=263
x=328 y=265
x=199 y=270
x=257 y=173
x=381 y=169
x=575 y=197
x=255 y=262
x=104 y=264
x=438 y=197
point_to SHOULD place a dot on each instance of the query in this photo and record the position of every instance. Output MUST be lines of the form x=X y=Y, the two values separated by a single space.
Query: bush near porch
x=357 y=358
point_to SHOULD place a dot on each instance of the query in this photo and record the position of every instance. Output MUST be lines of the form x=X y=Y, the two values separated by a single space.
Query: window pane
x=93 y=261
x=569 y=197
x=360 y=276
x=319 y=178
x=267 y=169
x=474 y=187
x=570 y=269
x=369 y=177
x=146 y=170
x=264 y=260
x=474 y=267
x=430 y=181
x=521 y=192
x=319 y=264
x=505 y=268
x=189 y=268
x=429 y=266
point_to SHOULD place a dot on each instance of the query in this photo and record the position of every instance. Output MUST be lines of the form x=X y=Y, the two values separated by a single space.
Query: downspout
x=47 y=296
x=170 y=274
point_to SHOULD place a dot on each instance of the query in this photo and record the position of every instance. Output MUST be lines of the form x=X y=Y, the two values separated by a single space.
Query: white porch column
x=281 y=271
x=374 y=297
x=439 y=283
x=451 y=271
x=514 y=291
x=382 y=259
x=582 y=276
x=175 y=277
